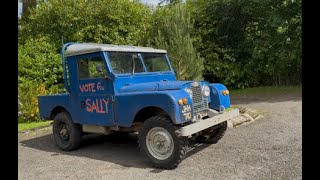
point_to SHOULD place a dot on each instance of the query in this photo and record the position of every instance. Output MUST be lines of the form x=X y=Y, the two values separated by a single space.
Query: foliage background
x=240 y=43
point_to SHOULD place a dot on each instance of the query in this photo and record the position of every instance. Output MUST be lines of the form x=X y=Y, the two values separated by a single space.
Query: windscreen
x=125 y=62
x=155 y=62
x=131 y=62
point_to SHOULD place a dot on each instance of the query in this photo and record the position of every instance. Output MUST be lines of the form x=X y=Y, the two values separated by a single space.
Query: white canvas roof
x=84 y=48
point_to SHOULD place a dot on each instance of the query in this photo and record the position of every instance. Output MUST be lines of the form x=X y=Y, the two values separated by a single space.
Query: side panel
x=94 y=102
x=218 y=100
x=92 y=90
x=129 y=104
x=48 y=103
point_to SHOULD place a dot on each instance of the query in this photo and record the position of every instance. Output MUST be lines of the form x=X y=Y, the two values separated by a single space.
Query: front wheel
x=66 y=134
x=160 y=144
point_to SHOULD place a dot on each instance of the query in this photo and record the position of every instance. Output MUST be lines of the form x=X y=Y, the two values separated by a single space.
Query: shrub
x=39 y=72
x=28 y=93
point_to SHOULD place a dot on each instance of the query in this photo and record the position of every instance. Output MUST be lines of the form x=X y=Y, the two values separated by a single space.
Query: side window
x=91 y=68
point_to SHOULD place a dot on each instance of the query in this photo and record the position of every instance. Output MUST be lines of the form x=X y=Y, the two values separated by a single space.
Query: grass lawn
x=273 y=90
x=32 y=125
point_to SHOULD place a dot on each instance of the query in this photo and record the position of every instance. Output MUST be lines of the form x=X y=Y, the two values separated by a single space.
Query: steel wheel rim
x=64 y=134
x=159 y=143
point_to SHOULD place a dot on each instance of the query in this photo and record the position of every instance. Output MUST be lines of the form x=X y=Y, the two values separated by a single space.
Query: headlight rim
x=205 y=91
x=189 y=91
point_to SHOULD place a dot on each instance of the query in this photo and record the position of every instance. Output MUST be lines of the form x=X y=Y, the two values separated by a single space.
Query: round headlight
x=205 y=91
x=189 y=91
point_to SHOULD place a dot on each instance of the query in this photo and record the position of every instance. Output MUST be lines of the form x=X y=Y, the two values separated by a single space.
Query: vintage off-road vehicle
x=113 y=88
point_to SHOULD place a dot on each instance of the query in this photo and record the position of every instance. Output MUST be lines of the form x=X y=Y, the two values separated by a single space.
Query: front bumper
x=206 y=123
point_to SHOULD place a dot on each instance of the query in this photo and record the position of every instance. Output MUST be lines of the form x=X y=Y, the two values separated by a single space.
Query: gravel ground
x=268 y=148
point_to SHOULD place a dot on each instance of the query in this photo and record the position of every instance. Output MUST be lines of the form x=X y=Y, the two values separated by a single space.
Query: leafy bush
x=103 y=21
x=28 y=93
x=39 y=72
x=248 y=43
x=39 y=62
x=28 y=103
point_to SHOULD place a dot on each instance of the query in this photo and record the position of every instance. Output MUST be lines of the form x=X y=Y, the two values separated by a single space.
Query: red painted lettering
x=106 y=103
x=90 y=87
x=88 y=108
x=97 y=105
x=100 y=107
x=99 y=87
x=93 y=106
x=83 y=88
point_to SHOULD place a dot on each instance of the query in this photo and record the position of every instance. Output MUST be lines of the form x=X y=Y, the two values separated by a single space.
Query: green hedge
x=39 y=72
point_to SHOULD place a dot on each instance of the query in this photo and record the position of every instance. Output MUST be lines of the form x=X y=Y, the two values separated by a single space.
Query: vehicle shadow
x=120 y=149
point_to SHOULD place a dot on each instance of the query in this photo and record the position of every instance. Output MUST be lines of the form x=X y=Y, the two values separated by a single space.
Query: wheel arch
x=57 y=110
x=145 y=113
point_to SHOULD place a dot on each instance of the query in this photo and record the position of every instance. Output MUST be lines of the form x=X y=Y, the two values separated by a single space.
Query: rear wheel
x=66 y=134
x=213 y=134
x=160 y=144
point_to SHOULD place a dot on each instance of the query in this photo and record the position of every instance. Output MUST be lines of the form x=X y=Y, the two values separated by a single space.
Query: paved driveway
x=269 y=148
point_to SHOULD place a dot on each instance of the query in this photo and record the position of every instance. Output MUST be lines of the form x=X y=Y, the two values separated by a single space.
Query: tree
x=162 y=2
x=103 y=21
x=171 y=31
x=277 y=47
x=27 y=5
x=219 y=28
x=249 y=42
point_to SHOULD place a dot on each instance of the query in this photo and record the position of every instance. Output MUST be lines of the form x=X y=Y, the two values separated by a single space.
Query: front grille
x=199 y=102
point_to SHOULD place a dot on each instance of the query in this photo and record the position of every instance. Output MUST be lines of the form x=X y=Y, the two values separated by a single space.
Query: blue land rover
x=116 y=88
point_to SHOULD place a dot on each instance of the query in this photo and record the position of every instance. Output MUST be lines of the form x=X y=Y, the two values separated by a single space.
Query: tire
x=66 y=134
x=160 y=144
x=213 y=134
